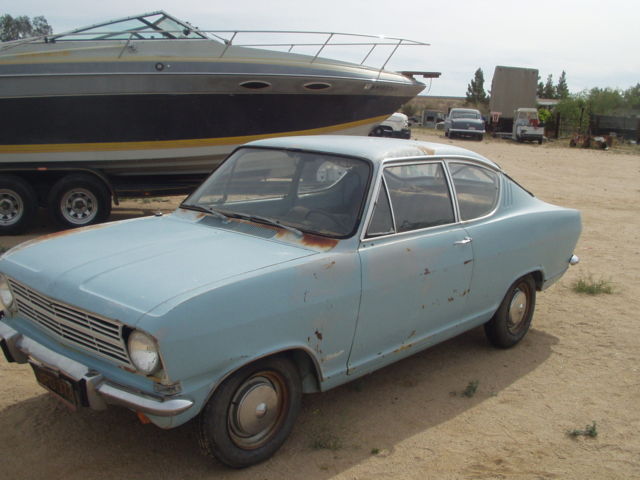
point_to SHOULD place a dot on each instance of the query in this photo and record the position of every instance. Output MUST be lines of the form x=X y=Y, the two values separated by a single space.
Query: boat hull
x=169 y=108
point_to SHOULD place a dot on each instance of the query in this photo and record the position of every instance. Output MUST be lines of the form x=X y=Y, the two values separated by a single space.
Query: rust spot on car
x=467 y=262
x=307 y=239
x=317 y=241
x=450 y=299
x=426 y=150
x=408 y=249
x=329 y=265
x=426 y=271
x=412 y=333
x=403 y=347
x=318 y=335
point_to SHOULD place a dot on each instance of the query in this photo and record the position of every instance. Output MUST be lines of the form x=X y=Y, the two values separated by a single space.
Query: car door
x=495 y=264
x=416 y=265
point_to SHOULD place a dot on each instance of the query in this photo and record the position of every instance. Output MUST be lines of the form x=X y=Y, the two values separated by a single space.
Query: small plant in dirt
x=375 y=451
x=588 y=431
x=326 y=441
x=470 y=389
x=3 y=249
x=591 y=286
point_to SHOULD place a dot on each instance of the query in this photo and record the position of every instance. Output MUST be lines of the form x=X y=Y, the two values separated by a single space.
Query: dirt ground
x=579 y=364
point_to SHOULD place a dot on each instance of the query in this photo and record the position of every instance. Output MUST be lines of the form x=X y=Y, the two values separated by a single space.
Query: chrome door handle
x=463 y=241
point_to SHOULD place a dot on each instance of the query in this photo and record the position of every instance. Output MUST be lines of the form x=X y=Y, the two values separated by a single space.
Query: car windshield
x=465 y=114
x=312 y=192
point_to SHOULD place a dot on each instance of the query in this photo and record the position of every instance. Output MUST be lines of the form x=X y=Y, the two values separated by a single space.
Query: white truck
x=526 y=126
x=397 y=126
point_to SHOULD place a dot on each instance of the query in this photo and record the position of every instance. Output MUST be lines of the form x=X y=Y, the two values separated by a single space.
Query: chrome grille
x=86 y=330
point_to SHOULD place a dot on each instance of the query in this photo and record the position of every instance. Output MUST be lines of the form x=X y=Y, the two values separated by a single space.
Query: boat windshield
x=311 y=192
x=156 y=25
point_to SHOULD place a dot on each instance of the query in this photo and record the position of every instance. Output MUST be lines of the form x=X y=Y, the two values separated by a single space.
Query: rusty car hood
x=125 y=269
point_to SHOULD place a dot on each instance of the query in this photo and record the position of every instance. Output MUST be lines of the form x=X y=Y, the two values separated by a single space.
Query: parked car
x=464 y=122
x=396 y=126
x=300 y=264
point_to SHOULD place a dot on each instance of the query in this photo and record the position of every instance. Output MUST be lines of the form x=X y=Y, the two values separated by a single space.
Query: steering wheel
x=325 y=214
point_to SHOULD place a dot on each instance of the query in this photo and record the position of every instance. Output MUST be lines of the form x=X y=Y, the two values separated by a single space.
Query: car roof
x=465 y=110
x=376 y=149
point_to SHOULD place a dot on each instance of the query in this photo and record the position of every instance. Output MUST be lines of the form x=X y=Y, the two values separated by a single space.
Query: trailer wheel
x=18 y=205
x=78 y=200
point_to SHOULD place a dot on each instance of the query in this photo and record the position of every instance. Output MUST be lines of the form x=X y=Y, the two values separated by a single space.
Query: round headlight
x=6 y=296
x=143 y=352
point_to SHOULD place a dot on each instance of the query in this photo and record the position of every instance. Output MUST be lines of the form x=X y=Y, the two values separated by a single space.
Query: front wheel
x=511 y=321
x=251 y=414
x=78 y=200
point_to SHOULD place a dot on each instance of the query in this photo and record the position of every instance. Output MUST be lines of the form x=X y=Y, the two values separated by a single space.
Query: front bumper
x=404 y=133
x=467 y=131
x=94 y=390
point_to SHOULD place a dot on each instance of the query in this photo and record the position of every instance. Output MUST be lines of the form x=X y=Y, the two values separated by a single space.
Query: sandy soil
x=579 y=364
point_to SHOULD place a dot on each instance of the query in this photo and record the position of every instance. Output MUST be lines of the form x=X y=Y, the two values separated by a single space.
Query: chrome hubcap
x=79 y=206
x=255 y=410
x=11 y=207
x=517 y=309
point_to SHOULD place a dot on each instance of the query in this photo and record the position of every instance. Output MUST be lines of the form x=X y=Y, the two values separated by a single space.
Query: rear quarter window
x=477 y=189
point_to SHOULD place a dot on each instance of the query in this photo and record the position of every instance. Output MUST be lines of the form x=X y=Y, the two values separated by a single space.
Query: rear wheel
x=78 y=200
x=252 y=413
x=18 y=205
x=511 y=321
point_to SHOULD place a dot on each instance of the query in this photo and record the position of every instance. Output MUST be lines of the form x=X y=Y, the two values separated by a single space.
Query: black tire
x=511 y=321
x=251 y=414
x=78 y=200
x=446 y=133
x=377 y=132
x=479 y=137
x=18 y=205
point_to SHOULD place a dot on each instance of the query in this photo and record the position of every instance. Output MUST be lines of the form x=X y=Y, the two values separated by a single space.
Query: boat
x=149 y=105
x=150 y=94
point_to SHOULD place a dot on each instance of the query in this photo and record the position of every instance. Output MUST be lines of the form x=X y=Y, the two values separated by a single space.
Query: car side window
x=381 y=221
x=477 y=189
x=419 y=195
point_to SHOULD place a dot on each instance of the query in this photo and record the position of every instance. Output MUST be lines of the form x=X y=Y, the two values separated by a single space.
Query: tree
x=632 y=97
x=540 y=89
x=562 y=90
x=606 y=101
x=549 y=91
x=409 y=109
x=21 y=27
x=475 y=90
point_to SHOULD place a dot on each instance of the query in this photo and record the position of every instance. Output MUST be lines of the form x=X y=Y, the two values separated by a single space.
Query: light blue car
x=300 y=264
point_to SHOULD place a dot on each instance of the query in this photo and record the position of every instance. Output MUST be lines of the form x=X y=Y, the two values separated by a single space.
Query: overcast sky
x=595 y=42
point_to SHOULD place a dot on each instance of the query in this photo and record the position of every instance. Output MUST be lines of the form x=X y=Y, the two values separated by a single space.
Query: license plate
x=61 y=387
x=472 y=128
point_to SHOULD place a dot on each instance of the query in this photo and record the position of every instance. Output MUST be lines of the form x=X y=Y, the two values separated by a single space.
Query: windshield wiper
x=268 y=221
x=210 y=210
